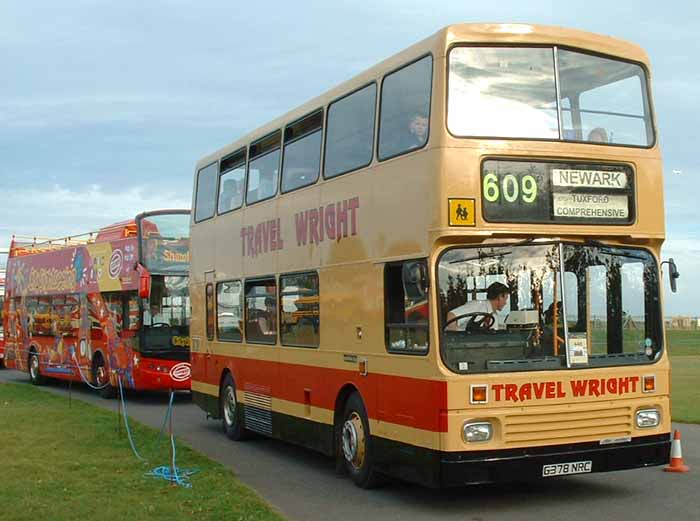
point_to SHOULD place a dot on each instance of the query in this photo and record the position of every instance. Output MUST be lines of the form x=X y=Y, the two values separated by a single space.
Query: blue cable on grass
x=172 y=474
x=126 y=421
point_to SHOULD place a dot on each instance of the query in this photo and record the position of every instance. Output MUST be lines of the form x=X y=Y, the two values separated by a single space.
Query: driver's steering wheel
x=478 y=321
x=160 y=324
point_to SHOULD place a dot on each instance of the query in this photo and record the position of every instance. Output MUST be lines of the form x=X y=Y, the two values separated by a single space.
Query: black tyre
x=34 y=373
x=355 y=444
x=228 y=408
x=100 y=378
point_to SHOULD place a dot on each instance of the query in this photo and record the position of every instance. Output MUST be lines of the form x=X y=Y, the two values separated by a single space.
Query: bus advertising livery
x=109 y=308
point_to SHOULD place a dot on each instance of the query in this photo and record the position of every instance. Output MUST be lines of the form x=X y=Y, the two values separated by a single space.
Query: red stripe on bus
x=401 y=400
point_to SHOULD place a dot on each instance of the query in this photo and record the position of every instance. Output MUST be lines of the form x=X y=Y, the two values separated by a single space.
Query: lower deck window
x=261 y=311
x=300 y=317
x=406 y=307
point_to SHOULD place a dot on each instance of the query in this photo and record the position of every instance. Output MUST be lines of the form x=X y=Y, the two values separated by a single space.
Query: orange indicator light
x=649 y=383
x=479 y=394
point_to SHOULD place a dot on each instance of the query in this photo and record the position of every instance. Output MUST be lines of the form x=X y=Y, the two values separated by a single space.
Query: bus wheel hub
x=353 y=437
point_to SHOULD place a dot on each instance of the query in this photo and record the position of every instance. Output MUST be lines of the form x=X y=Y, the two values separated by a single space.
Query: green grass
x=68 y=463
x=684 y=349
x=683 y=343
x=685 y=389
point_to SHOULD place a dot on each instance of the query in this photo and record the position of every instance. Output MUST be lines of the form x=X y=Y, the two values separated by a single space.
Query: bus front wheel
x=230 y=415
x=355 y=444
x=34 y=373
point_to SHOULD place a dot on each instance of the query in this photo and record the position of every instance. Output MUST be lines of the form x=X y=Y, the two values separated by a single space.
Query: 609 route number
x=509 y=188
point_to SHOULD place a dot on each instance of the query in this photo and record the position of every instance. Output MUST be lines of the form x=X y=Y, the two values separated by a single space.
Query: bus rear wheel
x=100 y=376
x=228 y=408
x=34 y=373
x=355 y=444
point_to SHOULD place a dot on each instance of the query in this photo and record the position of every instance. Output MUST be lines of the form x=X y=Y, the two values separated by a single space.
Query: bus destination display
x=546 y=192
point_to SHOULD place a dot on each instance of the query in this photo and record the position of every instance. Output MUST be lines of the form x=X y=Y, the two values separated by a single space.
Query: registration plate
x=563 y=469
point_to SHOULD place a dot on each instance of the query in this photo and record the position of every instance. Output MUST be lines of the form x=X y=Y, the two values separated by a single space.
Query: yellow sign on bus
x=462 y=212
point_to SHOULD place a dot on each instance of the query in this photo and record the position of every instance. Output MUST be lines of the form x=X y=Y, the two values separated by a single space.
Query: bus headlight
x=647 y=418
x=477 y=431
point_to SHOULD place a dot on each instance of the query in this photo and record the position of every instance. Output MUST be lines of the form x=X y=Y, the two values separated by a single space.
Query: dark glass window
x=210 y=311
x=229 y=310
x=261 y=311
x=263 y=168
x=206 y=193
x=302 y=152
x=406 y=306
x=231 y=182
x=350 y=132
x=405 y=109
x=300 y=319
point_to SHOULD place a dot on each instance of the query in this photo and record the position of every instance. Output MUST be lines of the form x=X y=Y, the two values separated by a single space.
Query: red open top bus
x=105 y=305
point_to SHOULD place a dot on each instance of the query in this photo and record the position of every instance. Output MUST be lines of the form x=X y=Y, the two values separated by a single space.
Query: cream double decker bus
x=447 y=268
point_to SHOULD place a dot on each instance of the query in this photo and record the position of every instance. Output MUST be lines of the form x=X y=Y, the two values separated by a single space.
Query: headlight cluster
x=477 y=431
x=647 y=418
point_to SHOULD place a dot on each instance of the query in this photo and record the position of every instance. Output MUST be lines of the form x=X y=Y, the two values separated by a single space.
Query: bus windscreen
x=165 y=242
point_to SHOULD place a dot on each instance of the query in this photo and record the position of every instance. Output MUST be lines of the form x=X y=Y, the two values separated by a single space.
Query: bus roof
x=439 y=44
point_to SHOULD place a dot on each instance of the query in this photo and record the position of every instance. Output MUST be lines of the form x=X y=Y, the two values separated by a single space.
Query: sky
x=105 y=107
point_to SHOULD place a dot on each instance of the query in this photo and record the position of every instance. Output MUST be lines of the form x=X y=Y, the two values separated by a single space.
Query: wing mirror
x=672 y=273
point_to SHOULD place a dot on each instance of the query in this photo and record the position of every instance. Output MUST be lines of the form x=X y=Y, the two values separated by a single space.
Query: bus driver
x=496 y=299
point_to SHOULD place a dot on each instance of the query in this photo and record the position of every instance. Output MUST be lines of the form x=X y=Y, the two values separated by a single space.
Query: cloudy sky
x=106 y=106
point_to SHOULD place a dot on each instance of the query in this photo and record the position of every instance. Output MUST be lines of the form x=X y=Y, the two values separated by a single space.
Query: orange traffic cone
x=676 y=464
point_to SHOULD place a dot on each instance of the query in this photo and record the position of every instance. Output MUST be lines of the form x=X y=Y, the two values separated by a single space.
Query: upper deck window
x=232 y=178
x=263 y=168
x=405 y=109
x=302 y=152
x=206 y=193
x=350 y=132
x=512 y=92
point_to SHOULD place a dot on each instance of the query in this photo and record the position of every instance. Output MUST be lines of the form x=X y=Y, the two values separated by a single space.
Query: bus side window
x=350 y=132
x=228 y=311
x=406 y=306
x=205 y=198
x=261 y=311
x=302 y=152
x=263 y=167
x=405 y=109
x=231 y=181
x=300 y=318
x=210 y=311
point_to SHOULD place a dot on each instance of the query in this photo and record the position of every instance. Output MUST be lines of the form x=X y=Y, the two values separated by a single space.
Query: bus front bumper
x=462 y=468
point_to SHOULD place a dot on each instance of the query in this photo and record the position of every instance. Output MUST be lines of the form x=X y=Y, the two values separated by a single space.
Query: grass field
x=67 y=463
x=684 y=349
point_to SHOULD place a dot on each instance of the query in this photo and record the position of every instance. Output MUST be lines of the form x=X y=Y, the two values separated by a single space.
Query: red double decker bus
x=103 y=307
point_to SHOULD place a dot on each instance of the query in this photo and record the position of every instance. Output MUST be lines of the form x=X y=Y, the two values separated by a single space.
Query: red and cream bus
x=113 y=304
x=447 y=268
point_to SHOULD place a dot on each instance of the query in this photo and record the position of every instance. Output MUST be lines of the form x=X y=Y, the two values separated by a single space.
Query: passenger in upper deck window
x=230 y=195
x=418 y=128
x=598 y=135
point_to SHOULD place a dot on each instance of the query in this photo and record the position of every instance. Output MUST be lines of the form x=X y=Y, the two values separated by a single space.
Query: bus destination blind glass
x=549 y=192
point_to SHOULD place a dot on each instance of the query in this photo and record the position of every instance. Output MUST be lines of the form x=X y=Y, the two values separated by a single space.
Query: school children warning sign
x=462 y=212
